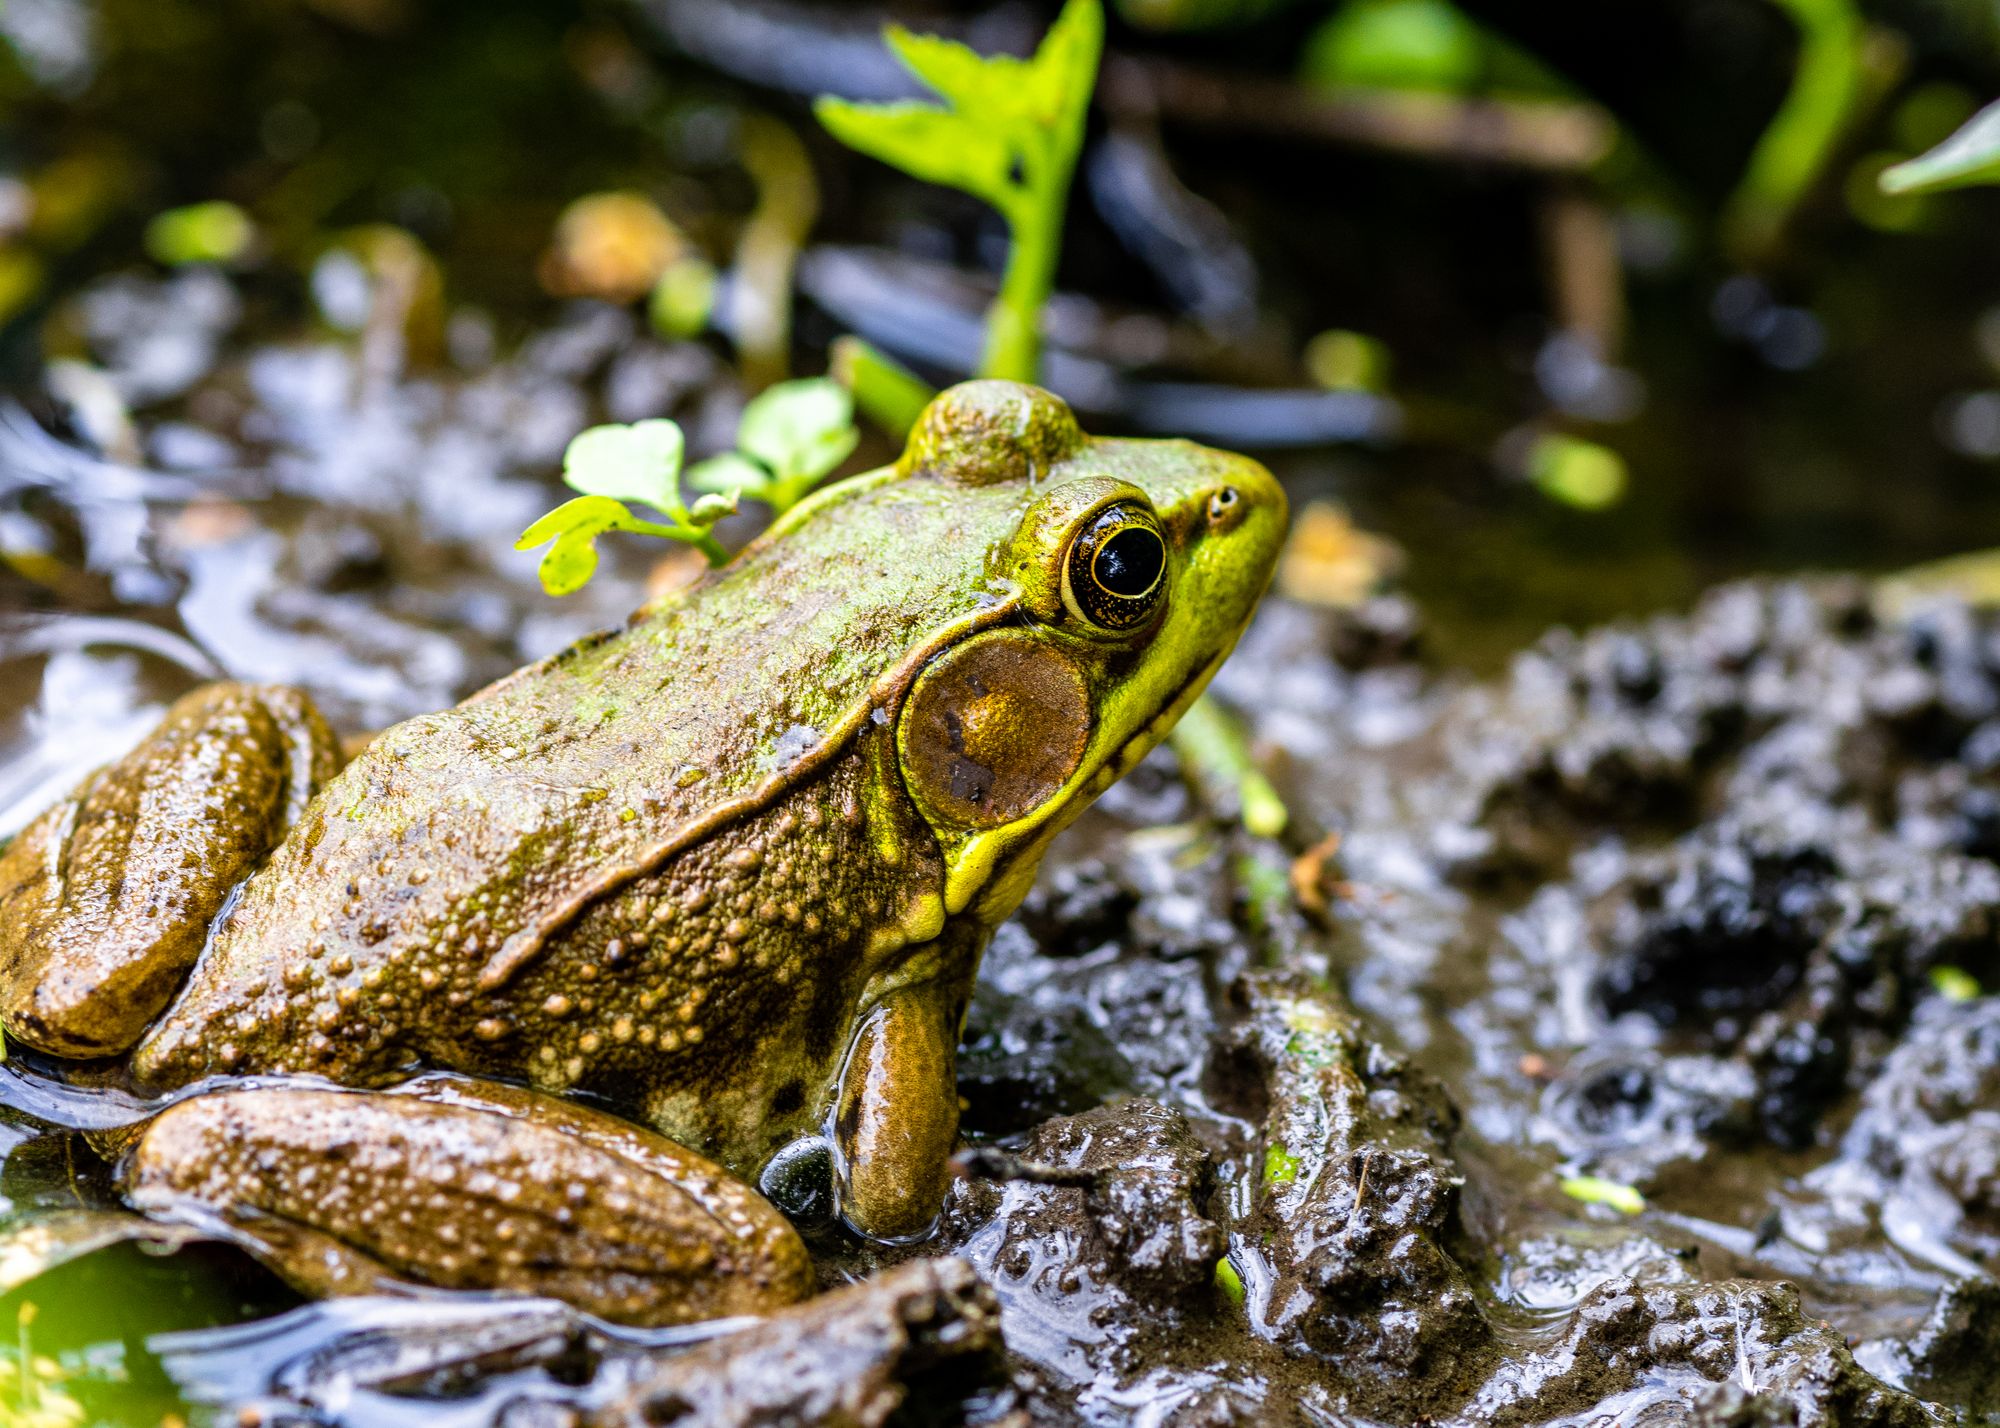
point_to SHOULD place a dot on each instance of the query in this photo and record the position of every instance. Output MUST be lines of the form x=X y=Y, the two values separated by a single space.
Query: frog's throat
x=998 y=866
x=521 y=947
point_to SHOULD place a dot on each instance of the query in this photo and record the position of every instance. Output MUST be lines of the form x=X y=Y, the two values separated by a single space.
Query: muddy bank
x=1701 y=907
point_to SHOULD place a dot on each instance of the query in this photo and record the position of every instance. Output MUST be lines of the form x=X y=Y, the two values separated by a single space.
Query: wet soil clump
x=1690 y=917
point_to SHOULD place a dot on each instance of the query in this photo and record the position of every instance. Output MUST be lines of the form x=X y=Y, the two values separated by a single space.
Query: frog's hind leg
x=466 y=1185
x=106 y=899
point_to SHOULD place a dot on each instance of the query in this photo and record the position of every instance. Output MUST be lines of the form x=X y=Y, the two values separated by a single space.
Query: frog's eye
x=1116 y=573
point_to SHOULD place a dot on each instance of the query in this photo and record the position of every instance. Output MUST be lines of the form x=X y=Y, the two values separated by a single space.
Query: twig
x=1558 y=136
x=983 y=1162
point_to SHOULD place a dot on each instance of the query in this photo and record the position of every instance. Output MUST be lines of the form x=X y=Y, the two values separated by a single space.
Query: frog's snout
x=1234 y=529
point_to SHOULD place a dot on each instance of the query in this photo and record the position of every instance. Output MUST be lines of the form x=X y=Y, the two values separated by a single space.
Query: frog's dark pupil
x=1129 y=563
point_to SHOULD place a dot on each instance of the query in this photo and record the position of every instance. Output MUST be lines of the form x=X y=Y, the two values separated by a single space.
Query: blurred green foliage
x=1793 y=151
x=1970 y=156
x=1009 y=134
x=214 y=232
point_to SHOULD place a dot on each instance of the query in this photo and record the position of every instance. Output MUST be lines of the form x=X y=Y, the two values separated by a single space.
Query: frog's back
x=467 y=858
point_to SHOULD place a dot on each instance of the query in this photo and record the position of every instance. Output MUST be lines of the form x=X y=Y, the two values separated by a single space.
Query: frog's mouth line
x=1149 y=735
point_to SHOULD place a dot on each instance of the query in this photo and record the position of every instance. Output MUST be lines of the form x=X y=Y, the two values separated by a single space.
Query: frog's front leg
x=106 y=899
x=897 y=1113
x=469 y=1185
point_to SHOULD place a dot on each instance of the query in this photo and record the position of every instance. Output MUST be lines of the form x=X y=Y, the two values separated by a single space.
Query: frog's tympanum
x=535 y=989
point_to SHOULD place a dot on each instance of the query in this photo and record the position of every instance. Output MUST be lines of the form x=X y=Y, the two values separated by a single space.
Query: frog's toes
x=470 y=1187
x=106 y=899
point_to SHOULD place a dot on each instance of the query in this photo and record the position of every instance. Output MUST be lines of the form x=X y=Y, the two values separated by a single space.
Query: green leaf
x=972 y=82
x=683 y=300
x=729 y=473
x=574 y=526
x=641 y=462
x=1971 y=156
x=579 y=511
x=927 y=143
x=1576 y=472
x=801 y=430
x=1397 y=44
x=216 y=232
x=1065 y=68
x=1596 y=1190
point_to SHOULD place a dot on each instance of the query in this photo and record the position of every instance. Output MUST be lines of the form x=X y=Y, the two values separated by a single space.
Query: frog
x=595 y=984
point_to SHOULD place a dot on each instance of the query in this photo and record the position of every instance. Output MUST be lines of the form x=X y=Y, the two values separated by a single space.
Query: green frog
x=538 y=993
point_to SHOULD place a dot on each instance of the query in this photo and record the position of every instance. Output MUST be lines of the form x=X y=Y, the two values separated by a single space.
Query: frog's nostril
x=799 y=1181
x=1224 y=505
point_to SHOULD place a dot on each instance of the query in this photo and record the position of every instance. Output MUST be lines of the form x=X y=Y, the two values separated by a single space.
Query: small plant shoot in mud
x=789 y=440
x=612 y=465
x=1968 y=158
x=1009 y=135
x=1596 y=1190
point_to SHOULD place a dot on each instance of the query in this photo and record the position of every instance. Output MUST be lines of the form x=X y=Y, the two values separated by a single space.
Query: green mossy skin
x=680 y=866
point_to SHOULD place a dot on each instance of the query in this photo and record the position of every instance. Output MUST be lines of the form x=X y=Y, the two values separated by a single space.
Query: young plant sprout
x=790 y=438
x=1828 y=85
x=612 y=465
x=1009 y=135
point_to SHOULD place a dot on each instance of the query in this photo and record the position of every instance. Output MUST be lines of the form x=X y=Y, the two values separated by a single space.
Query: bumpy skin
x=105 y=899
x=467 y=1186
x=732 y=867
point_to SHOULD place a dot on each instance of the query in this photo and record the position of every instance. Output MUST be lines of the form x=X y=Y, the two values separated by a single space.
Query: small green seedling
x=215 y=232
x=612 y=465
x=1596 y=1190
x=1969 y=157
x=1229 y=1281
x=789 y=440
x=1828 y=87
x=1010 y=135
x=1955 y=984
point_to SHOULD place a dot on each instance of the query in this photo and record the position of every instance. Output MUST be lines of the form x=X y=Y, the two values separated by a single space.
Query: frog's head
x=1127 y=570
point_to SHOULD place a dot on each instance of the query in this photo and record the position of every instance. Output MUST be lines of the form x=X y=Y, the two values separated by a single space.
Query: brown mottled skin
x=729 y=869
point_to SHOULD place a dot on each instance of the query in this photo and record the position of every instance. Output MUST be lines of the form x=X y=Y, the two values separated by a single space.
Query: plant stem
x=1801 y=136
x=1214 y=749
x=1035 y=224
x=701 y=540
x=887 y=392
